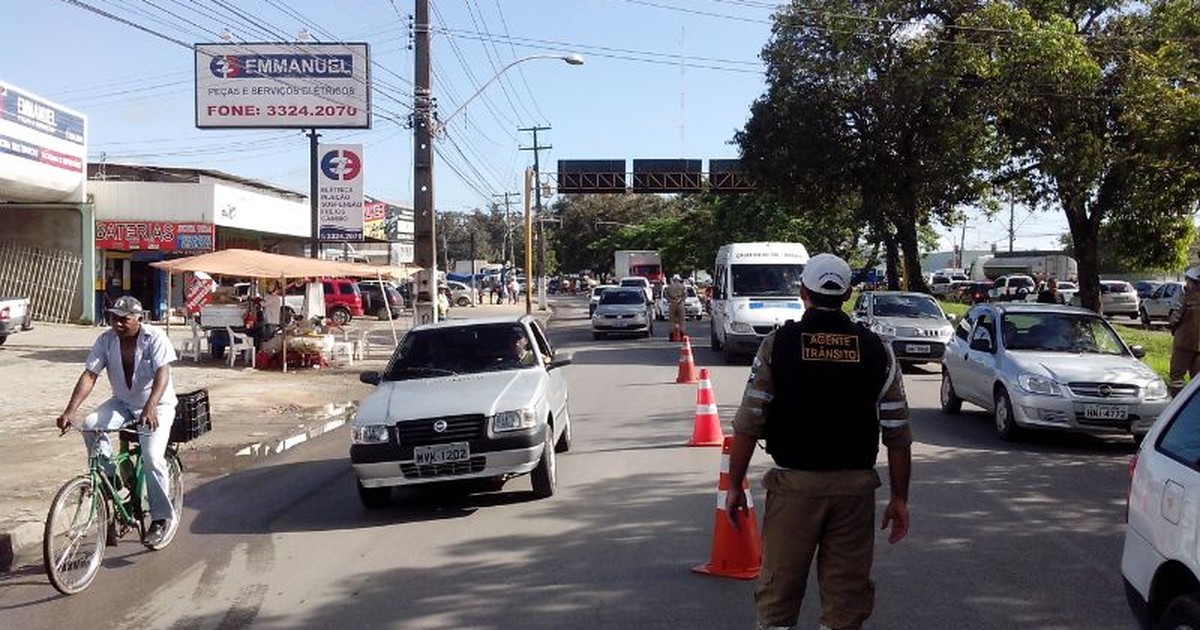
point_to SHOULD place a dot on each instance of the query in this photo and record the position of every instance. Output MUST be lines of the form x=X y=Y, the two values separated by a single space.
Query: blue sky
x=662 y=79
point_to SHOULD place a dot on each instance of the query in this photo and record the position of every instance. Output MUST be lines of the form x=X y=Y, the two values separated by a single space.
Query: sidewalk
x=255 y=413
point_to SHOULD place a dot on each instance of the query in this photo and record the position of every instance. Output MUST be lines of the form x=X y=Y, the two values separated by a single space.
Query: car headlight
x=1156 y=390
x=883 y=330
x=369 y=434
x=946 y=333
x=1035 y=384
x=740 y=327
x=513 y=420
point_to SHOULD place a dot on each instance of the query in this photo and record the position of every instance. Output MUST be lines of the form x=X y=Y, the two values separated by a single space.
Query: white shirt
x=153 y=351
x=272 y=304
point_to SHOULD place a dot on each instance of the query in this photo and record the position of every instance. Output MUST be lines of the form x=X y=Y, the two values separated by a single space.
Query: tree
x=871 y=103
x=1098 y=102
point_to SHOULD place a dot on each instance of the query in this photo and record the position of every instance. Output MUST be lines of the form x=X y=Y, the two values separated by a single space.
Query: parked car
x=1047 y=366
x=381 y=298
x=1145 y=287
x=974 y=292
x=693 y=308
x=622 y=310
x=1117 y=297
x=911 y=323
x=595 y=297
x=941 y=285
x=1159 y=305
x=1009 y=288
x=461 y=400
x=1160 y=564
x=15 y=316
x=343 y=300
x=462 y=294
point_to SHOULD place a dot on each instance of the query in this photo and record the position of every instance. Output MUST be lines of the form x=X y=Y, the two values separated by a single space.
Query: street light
x=572 y=59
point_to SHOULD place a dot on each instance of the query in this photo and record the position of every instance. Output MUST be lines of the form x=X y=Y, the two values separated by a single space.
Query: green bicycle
x=78 y=525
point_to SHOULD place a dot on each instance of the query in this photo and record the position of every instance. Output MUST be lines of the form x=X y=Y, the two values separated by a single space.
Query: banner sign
x=157 y=235
x=43 y=149
x=283 y=85
x=375 y=220
x=340 y=192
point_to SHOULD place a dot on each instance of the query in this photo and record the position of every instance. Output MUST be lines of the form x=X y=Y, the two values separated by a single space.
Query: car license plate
x=442 y=453
x=1105 y=412
x=916 y=348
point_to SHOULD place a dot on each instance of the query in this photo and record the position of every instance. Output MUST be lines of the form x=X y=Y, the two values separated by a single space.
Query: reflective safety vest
x=828 y=375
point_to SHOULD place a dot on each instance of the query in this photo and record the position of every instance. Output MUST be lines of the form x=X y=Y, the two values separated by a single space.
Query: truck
x=15 y=316
x=1036 y=264
x=639 y=262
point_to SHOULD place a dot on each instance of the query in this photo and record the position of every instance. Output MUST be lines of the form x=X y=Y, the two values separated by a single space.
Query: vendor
x=272 y=307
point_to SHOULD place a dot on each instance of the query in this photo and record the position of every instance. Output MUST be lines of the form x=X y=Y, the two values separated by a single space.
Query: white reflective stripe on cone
x=707 y=410
x=725 y=464
x=705 y=384
x=721 y=496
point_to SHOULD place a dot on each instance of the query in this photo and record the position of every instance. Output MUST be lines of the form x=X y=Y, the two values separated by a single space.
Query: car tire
x=3 y=338
x=713 y=341
x=381 y=314
x=1145 y=317
x=564 y=441
x=727 y=354
x=340 y=315
x=951 y=403
x=462 y=301
x=545 y=476
x=1006 y=425
x=1182 y=612
x=374 y=498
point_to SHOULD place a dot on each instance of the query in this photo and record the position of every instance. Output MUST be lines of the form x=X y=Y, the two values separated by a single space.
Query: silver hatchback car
x=1050 y=367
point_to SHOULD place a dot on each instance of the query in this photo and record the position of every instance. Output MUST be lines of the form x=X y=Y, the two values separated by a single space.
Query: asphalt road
x=1024 y=535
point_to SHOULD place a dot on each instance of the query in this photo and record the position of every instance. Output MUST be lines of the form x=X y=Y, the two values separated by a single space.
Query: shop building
x=46 y=224
x=145 y=214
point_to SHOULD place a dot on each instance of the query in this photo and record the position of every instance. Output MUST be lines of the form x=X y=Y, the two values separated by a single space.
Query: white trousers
x=113 y=414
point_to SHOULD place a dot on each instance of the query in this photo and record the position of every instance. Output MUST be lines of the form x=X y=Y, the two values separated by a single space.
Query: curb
x=22 y=545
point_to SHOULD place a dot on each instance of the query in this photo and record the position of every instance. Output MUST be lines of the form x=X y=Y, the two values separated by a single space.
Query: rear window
x=634 y=282
x=1181 y=439
x=1116 y=287
x=615 y=296
x=598 y=290
x=1020 y=282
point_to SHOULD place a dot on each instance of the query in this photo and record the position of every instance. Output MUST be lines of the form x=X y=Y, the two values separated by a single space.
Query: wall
x=246 y=209
x=151 y=201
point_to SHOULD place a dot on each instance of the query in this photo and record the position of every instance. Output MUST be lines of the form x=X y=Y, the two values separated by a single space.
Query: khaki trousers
x=1182 y=362
x=829 y=515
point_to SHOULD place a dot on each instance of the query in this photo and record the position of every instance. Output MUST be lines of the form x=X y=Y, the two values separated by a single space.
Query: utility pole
x=424 y=226
x=506 y=246
x=541 y=230
x=962 y=246
x=314 y=243
x=1011 y=225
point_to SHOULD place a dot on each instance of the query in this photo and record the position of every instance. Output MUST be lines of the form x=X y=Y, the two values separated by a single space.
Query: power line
x=87 y=7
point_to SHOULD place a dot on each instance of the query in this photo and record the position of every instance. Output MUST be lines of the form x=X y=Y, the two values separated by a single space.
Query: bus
x=756 y=289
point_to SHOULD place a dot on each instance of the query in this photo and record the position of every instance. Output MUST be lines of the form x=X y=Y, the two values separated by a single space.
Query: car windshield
x=435 y=352
x=691 y=292
x=622 y=297
x=633 y=282
x=766 y=280
x=1060 y=332
x=1067 y=286
x=905 y=306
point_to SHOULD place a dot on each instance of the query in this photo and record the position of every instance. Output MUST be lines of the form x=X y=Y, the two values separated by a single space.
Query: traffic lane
x=1004 y=535
x=286 y=544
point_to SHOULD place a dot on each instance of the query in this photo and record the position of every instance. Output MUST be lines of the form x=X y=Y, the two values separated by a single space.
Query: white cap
x=1192 y=273
x=826 y=274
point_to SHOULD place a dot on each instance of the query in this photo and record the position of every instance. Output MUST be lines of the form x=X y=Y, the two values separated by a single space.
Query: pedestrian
x=675 y=294
x=273 y=310
x=1185 y=330
x=821 y=393
x=1049 y=293
x=138 y=359
x=513 y=290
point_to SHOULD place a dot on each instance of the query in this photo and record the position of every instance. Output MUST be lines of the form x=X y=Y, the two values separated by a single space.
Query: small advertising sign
x=283 y=85
x=43 y=149
x=154 y=235
x=375 y=220
x=340 y=192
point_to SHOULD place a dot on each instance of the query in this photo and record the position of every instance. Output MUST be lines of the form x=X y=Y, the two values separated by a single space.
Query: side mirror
x=952 y=318
x=557 y=363
x=370 y=377
x=982 y=345
x=1138 y=352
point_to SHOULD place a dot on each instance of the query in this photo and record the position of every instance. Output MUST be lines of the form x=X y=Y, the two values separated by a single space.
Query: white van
x=756 y=289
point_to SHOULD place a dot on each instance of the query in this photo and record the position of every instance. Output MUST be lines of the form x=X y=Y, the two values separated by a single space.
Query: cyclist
x=138 y=359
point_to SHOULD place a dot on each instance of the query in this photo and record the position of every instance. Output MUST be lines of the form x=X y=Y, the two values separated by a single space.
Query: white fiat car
x=463 y=399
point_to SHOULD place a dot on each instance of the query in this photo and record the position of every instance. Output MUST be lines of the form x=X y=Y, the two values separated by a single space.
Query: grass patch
x=1157 y=344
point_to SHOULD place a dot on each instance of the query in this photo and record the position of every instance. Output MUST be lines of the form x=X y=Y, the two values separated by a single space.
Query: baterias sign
x=159 y=235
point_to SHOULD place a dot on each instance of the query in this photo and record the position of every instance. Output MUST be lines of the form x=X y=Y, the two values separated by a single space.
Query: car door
x=556 y=390
x=979 y=361
x=1170 y=490
x=1156 y=305
x=956 y=350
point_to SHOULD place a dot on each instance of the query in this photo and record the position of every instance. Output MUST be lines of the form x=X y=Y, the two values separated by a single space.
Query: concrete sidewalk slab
x=256 y=414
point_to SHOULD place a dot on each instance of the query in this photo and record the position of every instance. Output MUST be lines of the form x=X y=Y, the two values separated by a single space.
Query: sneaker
x=156 y=533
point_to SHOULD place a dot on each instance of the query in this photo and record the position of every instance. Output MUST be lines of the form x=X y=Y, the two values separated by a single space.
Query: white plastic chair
x=194 y=346
x=239 y=343
x=360 y=344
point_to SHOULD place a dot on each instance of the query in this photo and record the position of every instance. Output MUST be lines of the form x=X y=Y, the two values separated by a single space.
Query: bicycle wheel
x=74 y=537
x=175 y=491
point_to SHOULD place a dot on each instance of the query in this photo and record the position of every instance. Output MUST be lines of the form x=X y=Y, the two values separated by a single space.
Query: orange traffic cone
x=706 y=430
x=736 y=552
x=687 y=365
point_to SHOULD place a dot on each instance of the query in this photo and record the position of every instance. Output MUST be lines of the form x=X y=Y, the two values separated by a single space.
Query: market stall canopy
x=249 y=263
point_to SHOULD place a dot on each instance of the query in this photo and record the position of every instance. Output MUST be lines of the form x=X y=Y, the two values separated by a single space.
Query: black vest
x=828 y=373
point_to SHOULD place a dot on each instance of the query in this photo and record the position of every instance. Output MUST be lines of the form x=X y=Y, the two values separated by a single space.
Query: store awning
x=248 y=263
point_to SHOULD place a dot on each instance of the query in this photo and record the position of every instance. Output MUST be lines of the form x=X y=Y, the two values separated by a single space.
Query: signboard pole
x=314 y=244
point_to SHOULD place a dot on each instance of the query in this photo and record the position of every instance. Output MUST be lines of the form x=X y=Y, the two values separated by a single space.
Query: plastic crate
x=192 y=418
